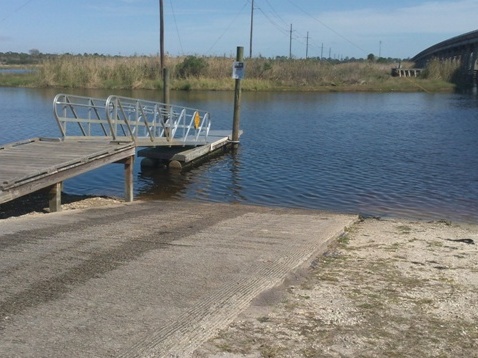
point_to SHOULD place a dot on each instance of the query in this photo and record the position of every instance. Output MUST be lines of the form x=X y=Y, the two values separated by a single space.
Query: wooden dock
x=96 y=132
x=39 y=163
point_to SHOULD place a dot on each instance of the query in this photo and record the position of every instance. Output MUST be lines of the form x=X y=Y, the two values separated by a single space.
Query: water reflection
x=217 y=180
x=411 y=154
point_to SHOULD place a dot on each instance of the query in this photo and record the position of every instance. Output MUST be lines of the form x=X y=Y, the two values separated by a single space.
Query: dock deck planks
x=38 y=163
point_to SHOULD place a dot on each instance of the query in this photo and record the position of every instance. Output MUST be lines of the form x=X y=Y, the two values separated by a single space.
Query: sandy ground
x=389 y=288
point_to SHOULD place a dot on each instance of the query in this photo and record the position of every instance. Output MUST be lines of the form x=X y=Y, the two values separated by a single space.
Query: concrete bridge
x=462 y=50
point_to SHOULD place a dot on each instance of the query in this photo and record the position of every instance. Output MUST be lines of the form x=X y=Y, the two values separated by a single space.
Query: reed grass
x=441 y=70
x=262 y=74
x=99 y=72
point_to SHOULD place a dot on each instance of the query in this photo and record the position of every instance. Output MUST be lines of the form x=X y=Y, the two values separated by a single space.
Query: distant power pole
x=290 y=42
x=161 y=36
x=307 y=47
x=330 y=52
x=380 y=49
x=252 y=27
x=322 y=51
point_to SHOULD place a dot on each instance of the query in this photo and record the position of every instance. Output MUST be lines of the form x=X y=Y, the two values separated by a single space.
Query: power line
x=273 y=17
x=283 y=26
x=276 y=14
x=285 y=31
x=16 y=10
x=327 y=27
x=228 y=28
x=177 y=28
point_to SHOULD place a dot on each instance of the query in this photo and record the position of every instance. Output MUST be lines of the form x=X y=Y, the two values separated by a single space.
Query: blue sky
x=341 y=28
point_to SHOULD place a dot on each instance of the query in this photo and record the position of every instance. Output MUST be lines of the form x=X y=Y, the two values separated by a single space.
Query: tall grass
x=100 y=72
x=442 y=70
x=214 y=73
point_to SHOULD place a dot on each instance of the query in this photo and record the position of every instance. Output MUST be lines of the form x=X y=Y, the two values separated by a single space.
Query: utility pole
x=307 y=47
x=252 y=27
x=161 y=36
x=380 y=49
x=290 y=43
x=322 y=51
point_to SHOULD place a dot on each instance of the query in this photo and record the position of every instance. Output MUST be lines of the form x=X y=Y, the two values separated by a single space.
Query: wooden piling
x=54 y=197
x=128 y=176
x=237 y=102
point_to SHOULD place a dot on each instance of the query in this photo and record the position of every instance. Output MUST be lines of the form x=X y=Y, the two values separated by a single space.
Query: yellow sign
x=197 y=120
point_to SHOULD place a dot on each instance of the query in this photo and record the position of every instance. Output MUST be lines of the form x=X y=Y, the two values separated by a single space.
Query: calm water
x=412 y=155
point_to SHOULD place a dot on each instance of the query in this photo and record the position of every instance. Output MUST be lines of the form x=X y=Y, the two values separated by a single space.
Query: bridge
x=462 y=50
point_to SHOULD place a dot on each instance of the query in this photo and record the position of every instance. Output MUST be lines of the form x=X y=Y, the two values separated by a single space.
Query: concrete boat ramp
x=145 y=279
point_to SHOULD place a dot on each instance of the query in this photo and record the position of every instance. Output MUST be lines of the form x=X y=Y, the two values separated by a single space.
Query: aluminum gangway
x=123 y=119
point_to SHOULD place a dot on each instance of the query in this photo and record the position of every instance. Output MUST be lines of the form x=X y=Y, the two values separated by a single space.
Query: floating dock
x=179 y=157
x=96 y=132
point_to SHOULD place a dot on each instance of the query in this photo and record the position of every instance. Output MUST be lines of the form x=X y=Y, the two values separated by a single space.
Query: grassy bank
x=214 y=73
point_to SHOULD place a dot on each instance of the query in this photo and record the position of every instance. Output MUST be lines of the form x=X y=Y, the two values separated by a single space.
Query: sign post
x=238 y=75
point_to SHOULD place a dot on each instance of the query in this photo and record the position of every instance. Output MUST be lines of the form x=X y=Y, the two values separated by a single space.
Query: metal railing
x=123 y=118
x=81 y=116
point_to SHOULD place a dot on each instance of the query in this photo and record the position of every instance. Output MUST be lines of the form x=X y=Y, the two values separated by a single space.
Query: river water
x=392 y=154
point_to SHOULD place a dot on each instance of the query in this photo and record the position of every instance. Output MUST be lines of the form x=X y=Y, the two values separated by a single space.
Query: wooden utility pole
x=290 y=42
x=307 y=47
x=252 y=27
x=161 y=36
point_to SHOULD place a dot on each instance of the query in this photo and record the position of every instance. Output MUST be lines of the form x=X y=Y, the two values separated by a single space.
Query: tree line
x=34 y=57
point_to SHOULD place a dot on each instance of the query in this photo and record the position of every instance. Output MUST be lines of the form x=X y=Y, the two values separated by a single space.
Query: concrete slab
x=150 y=279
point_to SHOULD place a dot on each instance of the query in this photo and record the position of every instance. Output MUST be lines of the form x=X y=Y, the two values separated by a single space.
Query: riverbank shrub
x=191 y=66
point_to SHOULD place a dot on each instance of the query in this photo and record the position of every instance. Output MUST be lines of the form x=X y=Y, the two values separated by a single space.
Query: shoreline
x=388 y=287
x=37 y=203
x=427 y=86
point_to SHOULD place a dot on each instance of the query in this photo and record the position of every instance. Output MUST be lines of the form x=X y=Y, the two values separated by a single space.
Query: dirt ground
x=37 y=203
x=388 y=288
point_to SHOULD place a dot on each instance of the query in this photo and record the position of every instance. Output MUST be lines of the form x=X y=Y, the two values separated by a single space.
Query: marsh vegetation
x=214 y=73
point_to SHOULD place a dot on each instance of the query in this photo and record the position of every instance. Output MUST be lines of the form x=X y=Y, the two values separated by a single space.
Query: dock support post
x=166 y=101
x=54 y=197
x=128 y=176
x=166 y=87
x=237 y=102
